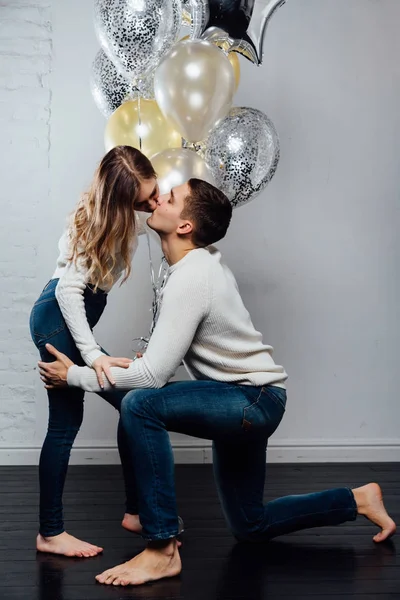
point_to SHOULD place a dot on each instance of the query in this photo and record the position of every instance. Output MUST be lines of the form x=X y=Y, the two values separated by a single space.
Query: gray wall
x=315 y=254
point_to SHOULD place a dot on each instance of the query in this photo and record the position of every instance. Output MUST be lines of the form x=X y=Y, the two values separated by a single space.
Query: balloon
x=194 y=87
x=174 y=167
x=196 y=14
x=233 y=59
x=145 y=87
x=243 y=153
x=135 y=34
x=109 y=87
x=140 y=123
x=241 y=24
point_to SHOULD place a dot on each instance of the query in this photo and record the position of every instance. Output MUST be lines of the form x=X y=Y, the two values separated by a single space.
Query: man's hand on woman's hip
x=54 y=374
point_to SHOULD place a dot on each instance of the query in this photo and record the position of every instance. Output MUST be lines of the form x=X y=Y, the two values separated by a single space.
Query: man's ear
x=185 y=228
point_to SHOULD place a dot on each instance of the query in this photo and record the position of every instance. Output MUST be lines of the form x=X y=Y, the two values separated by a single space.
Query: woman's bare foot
x=131 y=523
x=151 y=564
x=370 y=504
x=67 y=545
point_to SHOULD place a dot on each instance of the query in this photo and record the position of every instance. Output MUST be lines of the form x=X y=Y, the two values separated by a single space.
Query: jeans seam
x=160 y=536
x=62 y=508
x=253 y=404
x=155 y=467
x=313 y=514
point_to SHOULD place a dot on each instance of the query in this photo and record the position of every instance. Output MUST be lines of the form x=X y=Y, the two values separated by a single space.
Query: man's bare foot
x=370 y=504
x=150 y=565
x=66 y=545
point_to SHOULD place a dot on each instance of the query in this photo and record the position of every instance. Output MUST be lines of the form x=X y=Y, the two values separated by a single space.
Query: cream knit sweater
x=70 y=290
x=202 y=322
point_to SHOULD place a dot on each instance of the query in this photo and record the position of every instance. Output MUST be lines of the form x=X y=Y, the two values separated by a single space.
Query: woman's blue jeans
x=66 y=408
x=239 y=420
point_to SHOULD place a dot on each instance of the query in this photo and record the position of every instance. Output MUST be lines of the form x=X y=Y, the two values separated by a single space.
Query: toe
x=383 y=535
x=110 y=579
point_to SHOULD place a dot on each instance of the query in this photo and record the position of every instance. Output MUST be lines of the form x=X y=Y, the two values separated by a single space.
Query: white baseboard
x=199 y=451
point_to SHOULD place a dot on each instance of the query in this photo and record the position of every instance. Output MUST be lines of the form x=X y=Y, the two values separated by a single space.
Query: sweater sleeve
x=69 y=294
x=183 y=307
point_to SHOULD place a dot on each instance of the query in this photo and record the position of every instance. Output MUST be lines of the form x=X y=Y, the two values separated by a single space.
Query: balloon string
x=140 y=122
x=157 y=285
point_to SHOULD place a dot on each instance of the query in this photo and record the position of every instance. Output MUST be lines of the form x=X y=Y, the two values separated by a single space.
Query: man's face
x=148 y=196
x=167 y=216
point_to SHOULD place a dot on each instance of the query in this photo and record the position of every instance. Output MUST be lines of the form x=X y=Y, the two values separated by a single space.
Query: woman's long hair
x=103 y=224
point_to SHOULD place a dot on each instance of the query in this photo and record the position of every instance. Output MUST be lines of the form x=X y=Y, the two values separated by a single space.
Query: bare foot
x=132 y=523
x=150 y=565
x=370 y=504
x=67 y=545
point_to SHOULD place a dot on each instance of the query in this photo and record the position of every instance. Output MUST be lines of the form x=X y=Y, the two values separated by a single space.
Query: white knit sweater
x=70 y=290
x=202 y=322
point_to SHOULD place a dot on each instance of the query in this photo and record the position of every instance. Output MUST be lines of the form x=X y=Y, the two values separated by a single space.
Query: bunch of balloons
x=173 y=98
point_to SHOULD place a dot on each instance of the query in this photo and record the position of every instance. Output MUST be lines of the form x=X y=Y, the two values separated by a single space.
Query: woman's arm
x=69 y=294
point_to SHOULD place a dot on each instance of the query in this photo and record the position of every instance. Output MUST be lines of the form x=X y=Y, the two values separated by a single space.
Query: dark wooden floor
x=337 y=562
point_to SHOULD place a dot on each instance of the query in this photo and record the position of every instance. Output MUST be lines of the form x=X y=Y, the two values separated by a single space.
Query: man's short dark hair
x=209 y=210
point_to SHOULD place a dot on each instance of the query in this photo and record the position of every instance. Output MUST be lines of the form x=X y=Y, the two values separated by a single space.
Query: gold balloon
x=140 y=123
x=233 y=59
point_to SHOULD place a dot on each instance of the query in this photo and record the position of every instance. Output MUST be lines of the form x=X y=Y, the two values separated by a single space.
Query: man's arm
x=184 y=305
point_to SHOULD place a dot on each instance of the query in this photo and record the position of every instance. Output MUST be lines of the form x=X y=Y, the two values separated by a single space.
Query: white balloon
x=194 y=87
x=178 y=165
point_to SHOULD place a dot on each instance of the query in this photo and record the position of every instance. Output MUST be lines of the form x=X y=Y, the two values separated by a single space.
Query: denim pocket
x=265 y=414
x=278 y=395
x=46 y=319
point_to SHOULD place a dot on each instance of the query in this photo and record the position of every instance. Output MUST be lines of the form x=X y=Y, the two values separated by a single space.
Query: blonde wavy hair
x=103 y=223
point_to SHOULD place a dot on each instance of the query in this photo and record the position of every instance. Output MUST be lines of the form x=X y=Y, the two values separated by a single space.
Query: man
x=237 y=400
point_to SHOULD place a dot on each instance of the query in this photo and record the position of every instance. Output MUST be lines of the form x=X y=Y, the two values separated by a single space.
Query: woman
x=95 y=251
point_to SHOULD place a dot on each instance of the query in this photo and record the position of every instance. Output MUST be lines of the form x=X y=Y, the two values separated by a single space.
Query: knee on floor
x=247 y=531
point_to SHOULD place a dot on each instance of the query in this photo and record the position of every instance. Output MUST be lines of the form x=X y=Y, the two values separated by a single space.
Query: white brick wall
x=25 y=100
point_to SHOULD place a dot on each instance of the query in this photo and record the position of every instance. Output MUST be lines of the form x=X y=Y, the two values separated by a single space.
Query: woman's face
x=148 y=196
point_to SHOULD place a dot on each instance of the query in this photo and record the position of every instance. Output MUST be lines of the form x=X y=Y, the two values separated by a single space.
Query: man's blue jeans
x=239 y=420
x=66 y=408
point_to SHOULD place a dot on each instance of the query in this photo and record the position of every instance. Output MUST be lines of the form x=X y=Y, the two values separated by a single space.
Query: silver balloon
x=109 y=88
x=241 y=26
x=146 y=86
x=243 y=154
x=194 y=87
x=175 y=166
x=135 y=34
x=196 y=14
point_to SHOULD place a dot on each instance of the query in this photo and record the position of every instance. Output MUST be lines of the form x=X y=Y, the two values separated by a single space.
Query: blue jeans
x=239 y=420
x=66 y=408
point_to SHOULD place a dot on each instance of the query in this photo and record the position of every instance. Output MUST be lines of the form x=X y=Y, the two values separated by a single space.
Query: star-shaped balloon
x=240 y=25
x=196 y=14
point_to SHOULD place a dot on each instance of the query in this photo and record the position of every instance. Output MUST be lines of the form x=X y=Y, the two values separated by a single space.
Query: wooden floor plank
x=331 y=562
